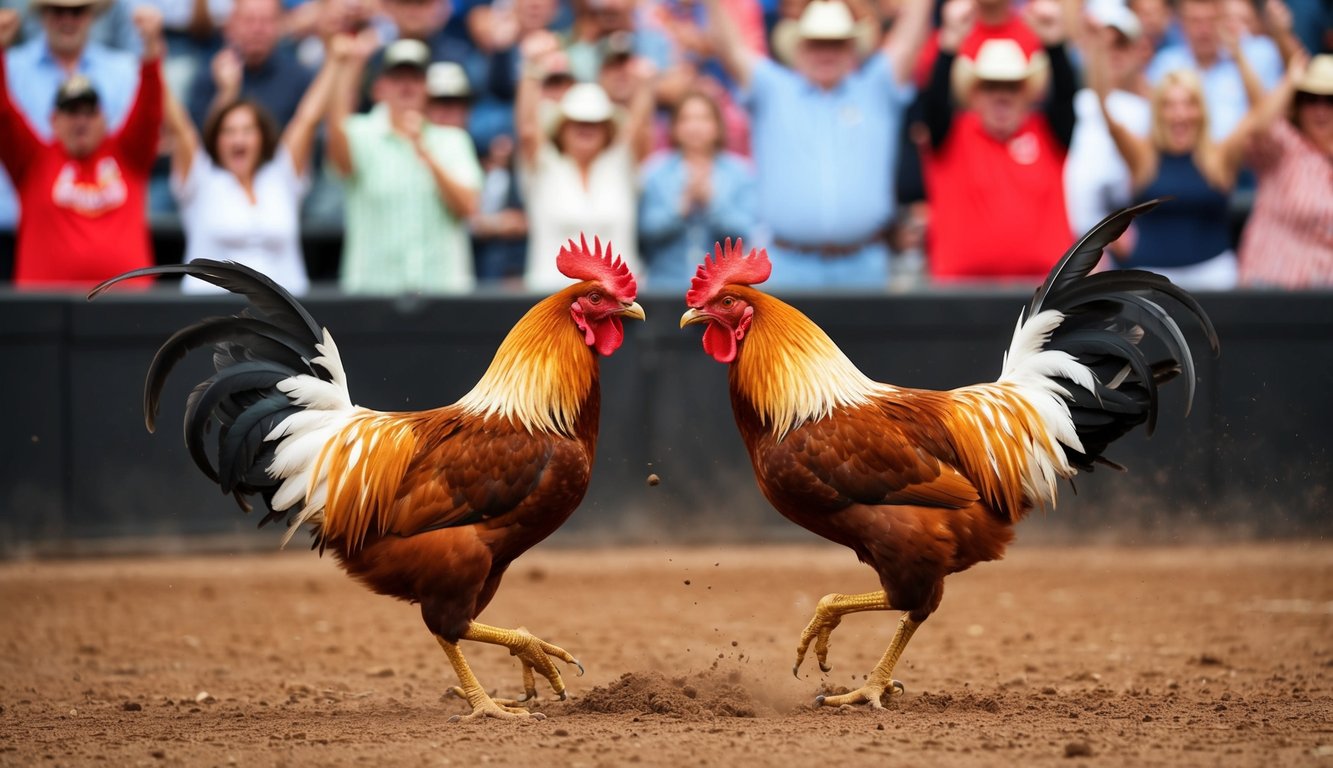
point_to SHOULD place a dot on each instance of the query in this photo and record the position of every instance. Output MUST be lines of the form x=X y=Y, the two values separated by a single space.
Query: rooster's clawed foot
x=866 y=694
x=535 y=656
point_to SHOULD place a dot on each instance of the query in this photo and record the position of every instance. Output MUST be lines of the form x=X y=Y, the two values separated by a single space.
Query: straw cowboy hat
x=97 y=5
x=1000 y=60
x=1318 y=77
x=822 y=20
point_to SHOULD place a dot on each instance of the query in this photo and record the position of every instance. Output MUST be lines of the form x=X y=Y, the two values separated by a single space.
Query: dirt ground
x=1088 y=656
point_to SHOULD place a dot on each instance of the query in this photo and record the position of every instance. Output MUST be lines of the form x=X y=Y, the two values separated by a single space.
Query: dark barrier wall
x=79 y=470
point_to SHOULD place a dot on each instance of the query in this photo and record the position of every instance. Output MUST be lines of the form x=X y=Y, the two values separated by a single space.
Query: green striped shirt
x=400 y=236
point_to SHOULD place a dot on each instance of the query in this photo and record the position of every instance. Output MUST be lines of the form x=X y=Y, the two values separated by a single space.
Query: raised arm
x=342 y=102
x=536 y=49
x=181 y=131
x=1263 y=113
x=1139 y=155
x=1047 y=20
x=956 y=20
x=138 y=136
x=1279 y=24
x=735 y=56
x=639 y=120
x=1231 y=38
x=903 y=43
x=299 y=135
x=18 y=142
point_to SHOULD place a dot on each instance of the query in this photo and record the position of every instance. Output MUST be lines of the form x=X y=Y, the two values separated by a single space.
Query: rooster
x=922 y=484
x=429 y=507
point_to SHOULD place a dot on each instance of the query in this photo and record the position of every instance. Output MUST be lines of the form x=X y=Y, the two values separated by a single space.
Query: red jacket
x=82 y=220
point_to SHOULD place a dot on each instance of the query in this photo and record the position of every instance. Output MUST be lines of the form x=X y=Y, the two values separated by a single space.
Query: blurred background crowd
x=868 y=144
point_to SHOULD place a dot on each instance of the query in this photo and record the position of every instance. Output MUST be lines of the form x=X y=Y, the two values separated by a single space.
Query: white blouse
x=560 y=207
x=221 y=223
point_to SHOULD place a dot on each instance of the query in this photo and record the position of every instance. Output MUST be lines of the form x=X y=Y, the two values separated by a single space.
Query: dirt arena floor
x=1055 y=656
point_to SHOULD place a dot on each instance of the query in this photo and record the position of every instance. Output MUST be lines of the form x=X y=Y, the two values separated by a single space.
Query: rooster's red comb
x=727 y=266
x=577 y=261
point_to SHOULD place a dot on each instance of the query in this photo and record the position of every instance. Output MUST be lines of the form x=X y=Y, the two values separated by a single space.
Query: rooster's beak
x=632 y=310
x=693 y=316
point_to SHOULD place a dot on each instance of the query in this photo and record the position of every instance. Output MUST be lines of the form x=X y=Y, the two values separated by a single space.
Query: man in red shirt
x=994 y=171
x=83 y=194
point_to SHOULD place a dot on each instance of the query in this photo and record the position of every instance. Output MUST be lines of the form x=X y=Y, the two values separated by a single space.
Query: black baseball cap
x=76 y=90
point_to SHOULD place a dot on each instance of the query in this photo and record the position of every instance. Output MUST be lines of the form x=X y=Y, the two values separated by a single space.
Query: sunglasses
x=1001 y=86
x=1314 y=98
x=66 y=10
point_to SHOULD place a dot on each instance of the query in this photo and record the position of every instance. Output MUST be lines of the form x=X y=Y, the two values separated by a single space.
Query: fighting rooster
x=922 y=484
x=430 y=506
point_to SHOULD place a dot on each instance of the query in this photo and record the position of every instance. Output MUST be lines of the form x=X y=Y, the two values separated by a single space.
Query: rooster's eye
x=727 y=302
x=594 y=298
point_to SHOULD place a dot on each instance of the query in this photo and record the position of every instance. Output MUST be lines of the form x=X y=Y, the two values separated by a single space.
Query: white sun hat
x=586 y=103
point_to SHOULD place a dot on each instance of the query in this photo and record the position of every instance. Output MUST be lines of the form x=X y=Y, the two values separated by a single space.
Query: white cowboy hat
x=1318 y=77
x=822 y=20
x=1000 y=60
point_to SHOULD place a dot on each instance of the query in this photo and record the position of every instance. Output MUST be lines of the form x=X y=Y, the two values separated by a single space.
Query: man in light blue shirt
x=1203 y=52
x=36 y=69
x=825 y=138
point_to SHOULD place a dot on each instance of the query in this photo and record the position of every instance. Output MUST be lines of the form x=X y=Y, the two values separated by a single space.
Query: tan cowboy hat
x=1318 y=77
x=822 y=20
x=1000 y=60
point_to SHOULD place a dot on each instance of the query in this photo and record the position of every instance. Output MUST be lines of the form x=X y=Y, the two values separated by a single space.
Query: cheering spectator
x=268 y=73
x=579 y=174
x=239 y=192
x=1288 y=241
x=825 y=141
x=994 y=171
x=1096 y=178
x=83 y=194
x=113 y=23
x=1188 y=238
x=693 y=196
x=410 y=185
x=37 y=68
x=1213 y=45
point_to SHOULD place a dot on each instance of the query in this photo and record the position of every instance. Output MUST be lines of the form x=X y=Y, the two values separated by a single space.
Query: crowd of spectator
x=864 y=143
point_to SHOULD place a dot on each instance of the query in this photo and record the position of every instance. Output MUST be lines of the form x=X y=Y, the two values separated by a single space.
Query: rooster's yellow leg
x=482 y=704
x=533 y=652
x=881 y=677
x=828 y=615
